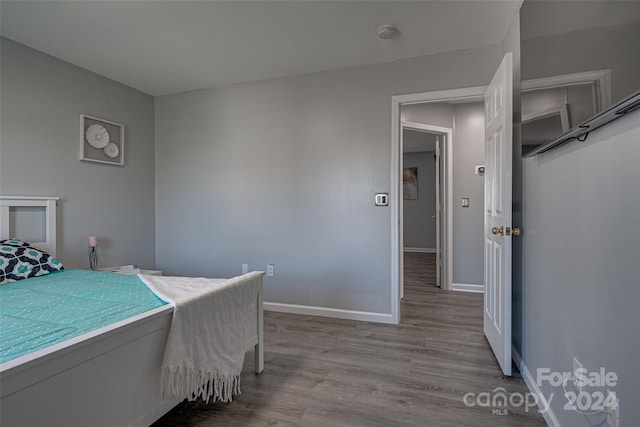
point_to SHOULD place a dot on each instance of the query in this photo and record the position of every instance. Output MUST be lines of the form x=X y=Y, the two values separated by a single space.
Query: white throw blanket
x=211 y=323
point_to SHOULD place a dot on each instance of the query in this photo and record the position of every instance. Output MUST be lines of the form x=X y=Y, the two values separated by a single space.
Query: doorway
x=465 y=269
x=422 y=213
x=474 y=94
x=497 y=119
x=497 y=304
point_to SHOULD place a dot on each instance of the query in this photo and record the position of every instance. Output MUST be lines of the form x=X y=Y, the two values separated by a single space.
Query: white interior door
x=438 y=217
x=497 y=217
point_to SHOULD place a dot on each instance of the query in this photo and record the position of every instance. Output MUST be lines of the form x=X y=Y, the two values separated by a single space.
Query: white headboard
x=49 y=206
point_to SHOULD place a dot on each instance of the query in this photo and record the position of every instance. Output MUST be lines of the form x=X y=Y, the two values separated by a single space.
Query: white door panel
x=497 y=221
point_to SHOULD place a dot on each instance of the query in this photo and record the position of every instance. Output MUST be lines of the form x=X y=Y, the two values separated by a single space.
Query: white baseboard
x=425 y=250
x=328 y=312
x=532 y=384
x=467 y=287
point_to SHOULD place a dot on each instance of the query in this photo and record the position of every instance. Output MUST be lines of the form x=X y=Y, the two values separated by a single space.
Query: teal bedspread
x=41 y=311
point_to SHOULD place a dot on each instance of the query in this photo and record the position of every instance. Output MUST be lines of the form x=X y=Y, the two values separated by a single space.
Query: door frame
x=602 y=78
x=469 y=94
x=448 y=217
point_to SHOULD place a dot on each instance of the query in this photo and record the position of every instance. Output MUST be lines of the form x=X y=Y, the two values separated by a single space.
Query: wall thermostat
x=479 y=170
x=382 y=199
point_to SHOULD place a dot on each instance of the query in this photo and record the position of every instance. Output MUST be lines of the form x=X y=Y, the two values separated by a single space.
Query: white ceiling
x=163 y=47
x=176 y=46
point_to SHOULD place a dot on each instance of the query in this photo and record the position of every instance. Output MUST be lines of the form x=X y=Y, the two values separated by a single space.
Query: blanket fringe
x=192 y=384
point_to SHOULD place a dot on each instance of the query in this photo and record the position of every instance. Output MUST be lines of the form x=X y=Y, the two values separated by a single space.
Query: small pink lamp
x=93 y=254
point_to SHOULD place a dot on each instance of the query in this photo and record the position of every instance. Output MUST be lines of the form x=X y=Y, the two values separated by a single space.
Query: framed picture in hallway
x=410 y=183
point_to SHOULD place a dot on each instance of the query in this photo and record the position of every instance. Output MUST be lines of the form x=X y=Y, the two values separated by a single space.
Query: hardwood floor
x=331 y=372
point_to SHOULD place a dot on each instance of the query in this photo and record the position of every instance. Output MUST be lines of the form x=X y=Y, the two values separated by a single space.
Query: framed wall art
x=410 y=183
x=101 y=141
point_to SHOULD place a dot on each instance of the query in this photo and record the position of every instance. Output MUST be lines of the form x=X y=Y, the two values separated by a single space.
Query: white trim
x=465 y=94
x=335 y=313
x=468 y=287
x=468 y=93
x=30 y=198
x=422 y=250
x=601 y=77
x=532 y=384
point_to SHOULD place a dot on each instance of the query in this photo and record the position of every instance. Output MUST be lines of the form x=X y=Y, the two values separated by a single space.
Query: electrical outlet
x=577 y=369
x=270 y=270
x=245 y=268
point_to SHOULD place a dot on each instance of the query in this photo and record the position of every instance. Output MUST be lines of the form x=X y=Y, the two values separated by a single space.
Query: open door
x=497 y=213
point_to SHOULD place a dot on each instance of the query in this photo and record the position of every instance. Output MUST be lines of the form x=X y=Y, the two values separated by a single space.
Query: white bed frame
x=109 y=377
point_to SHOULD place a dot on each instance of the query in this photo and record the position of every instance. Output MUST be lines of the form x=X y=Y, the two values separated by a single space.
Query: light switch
x=382 y=199
x=465 y=202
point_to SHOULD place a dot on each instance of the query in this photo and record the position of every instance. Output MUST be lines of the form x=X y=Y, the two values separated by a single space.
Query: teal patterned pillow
x=20 y=260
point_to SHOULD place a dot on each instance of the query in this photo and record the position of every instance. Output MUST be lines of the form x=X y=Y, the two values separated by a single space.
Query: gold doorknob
x=516 y=231
x=433 y=217
x=496 y=230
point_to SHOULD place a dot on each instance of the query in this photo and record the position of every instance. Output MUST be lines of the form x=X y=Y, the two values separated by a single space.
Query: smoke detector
x=388 y=31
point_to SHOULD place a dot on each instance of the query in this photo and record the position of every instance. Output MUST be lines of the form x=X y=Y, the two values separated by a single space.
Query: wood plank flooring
x=331 y=372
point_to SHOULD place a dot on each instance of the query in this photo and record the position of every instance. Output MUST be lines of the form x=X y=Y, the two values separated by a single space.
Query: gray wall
x=582 y=251
x=419 y=227
x=468 y=223
x=42 y=98
x=284 y=171
x=580 y=293
x=613 y=48
x=435 y=114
